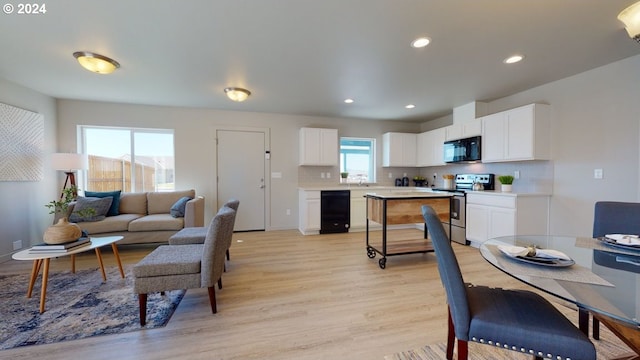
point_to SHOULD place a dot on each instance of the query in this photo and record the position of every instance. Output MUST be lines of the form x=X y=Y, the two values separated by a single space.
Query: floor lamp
x=69 y=163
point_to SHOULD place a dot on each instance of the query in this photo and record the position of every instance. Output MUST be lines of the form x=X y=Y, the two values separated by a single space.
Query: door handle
x=262 y=186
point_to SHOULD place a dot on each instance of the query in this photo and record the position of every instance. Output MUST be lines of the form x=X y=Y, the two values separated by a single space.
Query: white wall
x=195 y=143
x=22 y=212
x=596 y=117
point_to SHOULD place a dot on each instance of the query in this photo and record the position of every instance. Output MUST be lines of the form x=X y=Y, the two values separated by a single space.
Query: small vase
x=62 y=232
x=505 y=187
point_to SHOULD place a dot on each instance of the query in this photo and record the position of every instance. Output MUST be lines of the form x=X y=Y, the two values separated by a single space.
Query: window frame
x=372 y=158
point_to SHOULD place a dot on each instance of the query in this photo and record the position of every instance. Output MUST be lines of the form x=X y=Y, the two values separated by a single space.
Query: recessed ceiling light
x=513 y=59
x=420 y=42
x=410 y=106
x=348 y=101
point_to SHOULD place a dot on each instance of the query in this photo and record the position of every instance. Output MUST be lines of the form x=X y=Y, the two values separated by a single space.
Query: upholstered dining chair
x=196 y=235
x=516 y=320
x=173 y=267
x=610 y=217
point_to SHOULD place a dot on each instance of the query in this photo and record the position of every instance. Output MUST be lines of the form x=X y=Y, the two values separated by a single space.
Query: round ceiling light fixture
x=410 y=106
x=420 y=42
x=513 y=59
x=96 y=63
x=348 y=101
x=237 y=94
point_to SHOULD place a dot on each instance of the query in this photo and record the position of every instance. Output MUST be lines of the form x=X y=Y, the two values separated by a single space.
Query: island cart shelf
x=403 y=208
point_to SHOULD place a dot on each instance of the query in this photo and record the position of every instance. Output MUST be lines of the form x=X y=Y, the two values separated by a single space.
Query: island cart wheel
x=383 y=263
x=371 y=253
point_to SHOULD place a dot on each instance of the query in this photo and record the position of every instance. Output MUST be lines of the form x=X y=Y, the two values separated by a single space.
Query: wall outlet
x=322 y=175
x=516 y=174
x=17 y=245
x=390 y=176
x=328 y=175
x=597 y=173
x=288 y=211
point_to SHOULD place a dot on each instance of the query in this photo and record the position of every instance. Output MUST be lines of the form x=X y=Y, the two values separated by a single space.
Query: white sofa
x=145 y=217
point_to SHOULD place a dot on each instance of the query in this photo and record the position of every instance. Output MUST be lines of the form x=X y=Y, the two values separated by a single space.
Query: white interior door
x=241 y=175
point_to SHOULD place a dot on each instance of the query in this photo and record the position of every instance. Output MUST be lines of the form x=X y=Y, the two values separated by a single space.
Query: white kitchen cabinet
x=399 y=149
x=463 y=130
x=309 y=211
x=522 y=133
x=358 y=209
x=491 y=215
x=430 y=147
x=318 y=147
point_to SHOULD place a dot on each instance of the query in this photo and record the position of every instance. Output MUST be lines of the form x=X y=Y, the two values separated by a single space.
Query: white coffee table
x=39 y=258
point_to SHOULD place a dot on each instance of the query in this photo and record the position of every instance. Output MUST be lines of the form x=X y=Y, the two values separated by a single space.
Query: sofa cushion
x=115 y=203
x=109 y=224
x=133 y=203
x=177 y=209
x=100 y=208
x=161 y=202
x=156 y=222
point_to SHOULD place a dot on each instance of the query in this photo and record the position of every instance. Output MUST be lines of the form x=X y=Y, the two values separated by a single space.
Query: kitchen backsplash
x=535 y=176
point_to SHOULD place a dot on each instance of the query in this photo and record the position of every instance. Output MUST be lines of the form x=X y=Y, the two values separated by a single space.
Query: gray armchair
x=196 y=235
x=173 y=267
x=610 y=217
x=516 y=320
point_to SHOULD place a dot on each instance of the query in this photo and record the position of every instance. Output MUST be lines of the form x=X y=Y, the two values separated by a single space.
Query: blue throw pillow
x=115 y=204
x=177 y=210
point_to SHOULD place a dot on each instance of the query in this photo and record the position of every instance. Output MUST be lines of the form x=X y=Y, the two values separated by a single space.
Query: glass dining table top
x=604 y=279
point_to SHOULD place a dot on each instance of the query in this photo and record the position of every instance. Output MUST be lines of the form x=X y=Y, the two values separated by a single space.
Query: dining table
x=599 y=276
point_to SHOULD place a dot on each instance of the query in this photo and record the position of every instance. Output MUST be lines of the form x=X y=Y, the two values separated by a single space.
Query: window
x=131 y=160
x=357 y=157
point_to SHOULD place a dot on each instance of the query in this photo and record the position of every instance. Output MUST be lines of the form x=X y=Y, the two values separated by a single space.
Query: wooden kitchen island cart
x=395 y=208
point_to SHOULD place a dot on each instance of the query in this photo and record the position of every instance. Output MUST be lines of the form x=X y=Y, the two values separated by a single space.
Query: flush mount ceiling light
x=631 y=19
x=410 y=106
x=513 y=59
x=348 y=101
x=96 y=63
x=237 y=94
x=420 y=42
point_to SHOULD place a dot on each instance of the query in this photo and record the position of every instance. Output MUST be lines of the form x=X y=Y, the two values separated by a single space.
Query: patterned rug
x=608 y=347
x=78 y=305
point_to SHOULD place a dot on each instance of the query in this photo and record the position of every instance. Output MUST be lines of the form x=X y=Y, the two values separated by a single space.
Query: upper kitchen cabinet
x=399 y=149
x=523 y=133
x=430 y=148
x=318 y=147
x=463 y=130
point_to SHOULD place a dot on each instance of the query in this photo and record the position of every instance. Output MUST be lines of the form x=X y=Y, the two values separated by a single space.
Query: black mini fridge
x=335 y=211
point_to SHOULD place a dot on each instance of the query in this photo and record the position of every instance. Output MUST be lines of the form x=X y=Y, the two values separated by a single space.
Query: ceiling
x=305 y=57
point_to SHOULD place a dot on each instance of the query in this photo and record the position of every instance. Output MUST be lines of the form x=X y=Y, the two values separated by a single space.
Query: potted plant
x=63 y=231
x=419 y=180
x=344 y=175
x=506 y=182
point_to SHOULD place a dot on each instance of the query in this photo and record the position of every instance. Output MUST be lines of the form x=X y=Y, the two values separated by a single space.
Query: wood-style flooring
x=288 y=296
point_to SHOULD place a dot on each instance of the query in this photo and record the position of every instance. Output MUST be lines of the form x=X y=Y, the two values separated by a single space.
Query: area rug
x=78 y=305
x=608 y=347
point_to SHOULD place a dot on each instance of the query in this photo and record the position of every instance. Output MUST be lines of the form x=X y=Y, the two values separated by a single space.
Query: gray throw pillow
x=99 y=205
x=177 y=210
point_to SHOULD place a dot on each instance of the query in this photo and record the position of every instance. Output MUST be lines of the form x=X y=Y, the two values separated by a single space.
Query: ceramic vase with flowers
x=506 y=182
x=63 y=231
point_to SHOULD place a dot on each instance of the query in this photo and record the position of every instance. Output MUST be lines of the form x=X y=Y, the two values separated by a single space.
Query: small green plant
x=506 y=179
x=344 y=175
x=62 y=206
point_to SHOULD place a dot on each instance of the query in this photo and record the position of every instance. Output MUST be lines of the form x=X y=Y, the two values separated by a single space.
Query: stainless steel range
x=463 y=183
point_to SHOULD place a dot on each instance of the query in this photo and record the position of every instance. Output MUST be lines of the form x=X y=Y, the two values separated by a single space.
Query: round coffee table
x=39 y=258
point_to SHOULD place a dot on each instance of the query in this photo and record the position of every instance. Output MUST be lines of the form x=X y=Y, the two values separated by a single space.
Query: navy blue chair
x=610 y=217
x=517 y=320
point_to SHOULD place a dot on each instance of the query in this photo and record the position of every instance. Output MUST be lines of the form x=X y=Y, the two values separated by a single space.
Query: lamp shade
x=631 y=19
x=69 y=161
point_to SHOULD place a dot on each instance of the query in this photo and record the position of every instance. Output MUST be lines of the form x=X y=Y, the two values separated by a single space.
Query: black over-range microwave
x=462 y=150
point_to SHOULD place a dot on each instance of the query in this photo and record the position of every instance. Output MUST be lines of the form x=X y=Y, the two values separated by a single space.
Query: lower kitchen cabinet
x=492 y=215
x=309 y=211
x=358 y=210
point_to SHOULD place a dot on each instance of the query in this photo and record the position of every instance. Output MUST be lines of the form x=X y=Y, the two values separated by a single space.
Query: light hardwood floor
x=288 y=296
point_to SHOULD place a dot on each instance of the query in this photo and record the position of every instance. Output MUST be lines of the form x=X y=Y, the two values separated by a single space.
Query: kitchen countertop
x=401 y=189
